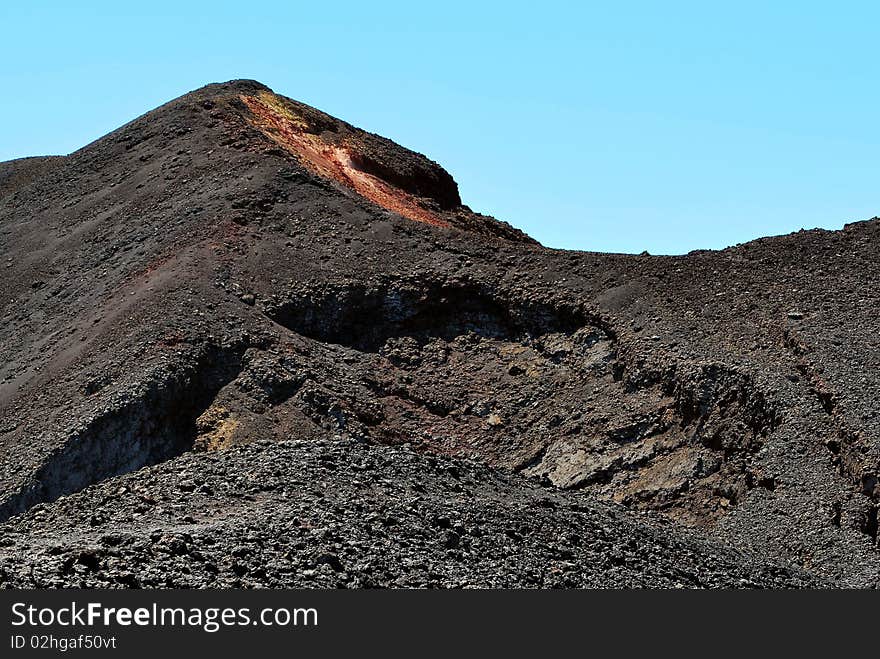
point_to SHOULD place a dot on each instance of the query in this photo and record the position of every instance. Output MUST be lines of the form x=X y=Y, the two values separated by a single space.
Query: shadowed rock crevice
x=155 y=425
x=365 y=318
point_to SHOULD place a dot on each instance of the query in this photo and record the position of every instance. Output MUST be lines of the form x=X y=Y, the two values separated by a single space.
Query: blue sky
x=610 y=126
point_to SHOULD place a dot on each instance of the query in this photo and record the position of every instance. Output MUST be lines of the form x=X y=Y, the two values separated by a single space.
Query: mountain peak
x=399 y=180
x=375 y=168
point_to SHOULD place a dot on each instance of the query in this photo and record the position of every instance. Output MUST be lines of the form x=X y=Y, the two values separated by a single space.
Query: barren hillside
x=248 y=344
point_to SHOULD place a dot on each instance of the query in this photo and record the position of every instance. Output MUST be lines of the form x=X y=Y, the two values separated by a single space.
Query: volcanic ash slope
x=246 y=343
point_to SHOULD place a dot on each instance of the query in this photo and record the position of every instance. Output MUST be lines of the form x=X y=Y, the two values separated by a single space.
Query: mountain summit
x=248 y=344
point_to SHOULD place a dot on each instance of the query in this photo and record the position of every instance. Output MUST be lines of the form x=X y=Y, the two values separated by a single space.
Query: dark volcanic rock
x=344 y=514
x=227 y=284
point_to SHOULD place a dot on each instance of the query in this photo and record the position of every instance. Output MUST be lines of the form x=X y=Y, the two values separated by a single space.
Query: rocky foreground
x=342 y=514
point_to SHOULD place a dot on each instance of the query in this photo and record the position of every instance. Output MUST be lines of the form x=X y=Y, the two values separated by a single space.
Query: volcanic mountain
x=248 y=344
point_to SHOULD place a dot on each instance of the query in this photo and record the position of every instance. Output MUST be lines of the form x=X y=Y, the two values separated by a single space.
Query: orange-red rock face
x=333 y=161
